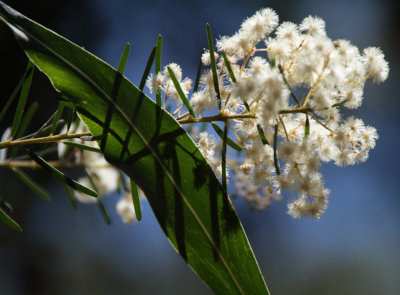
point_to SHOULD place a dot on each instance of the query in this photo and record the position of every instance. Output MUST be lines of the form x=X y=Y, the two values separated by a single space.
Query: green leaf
x=147 y=69
x=71 y=196
x=124 y=59
x=262 y=135
x=223 y=159
x=57 y=118
x=198 y=75
x=228 y=66
x=158 y=66
x=180 y=92
x=213 y=64
x=340 y=103
x=276 y=163
x=151 y=147
x=59 y=175
x=307 y=127
x=32 y=184
x=9 y=221
x=22 y=99
x=229 y=141
x=15 y=91
x=136 y=201
x=24 y=125
x=81 y=146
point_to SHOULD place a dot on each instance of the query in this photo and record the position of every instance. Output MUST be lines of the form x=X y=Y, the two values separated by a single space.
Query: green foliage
x=150 y=146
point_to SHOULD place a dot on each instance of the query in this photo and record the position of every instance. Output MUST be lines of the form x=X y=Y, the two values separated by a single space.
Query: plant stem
x=52 y=138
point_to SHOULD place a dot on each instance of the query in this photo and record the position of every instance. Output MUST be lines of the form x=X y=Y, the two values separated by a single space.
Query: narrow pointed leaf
x=228 y=66
x=229 y=141
x=136 y=201
x=158 y=66
x=198 y=75
x=57 y=118
x=180 y=92
x=276 y=163
x=71 y=196
x=307 y=127
x=340 y=103
x=223 y=161
x=151 y=147
x=15 y=91
x=9 y=221
x=124 y=59
x=103 y=210
x=262 y=135
x=35 y=187
x=59 y=175
x=81 y=146
x=147 y=69
x=22 y=99
x=213 y=64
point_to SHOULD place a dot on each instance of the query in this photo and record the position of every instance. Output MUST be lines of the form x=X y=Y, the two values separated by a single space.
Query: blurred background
x=353 y=249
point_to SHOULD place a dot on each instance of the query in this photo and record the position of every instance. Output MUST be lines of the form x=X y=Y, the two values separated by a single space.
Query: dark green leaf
x=262 y=135
x=103 y=210
x=57 y=118
x=22 y=99
x=32 y=184
x=180 y=92
x=228 y=66
x=229 y=141
x=223 y=159
x=151 y=148
x=59 y=175
x=81 y=146
x=24 y=125
x=307 y=127
x=158 y=66
x=198 y=75
x=213 y=64
x=136 y=201
x=288 y=86
x=147 y=69
x=124 y=59
x=71 y=196
x=276 y=163
x=9 y=221
x=15 y=91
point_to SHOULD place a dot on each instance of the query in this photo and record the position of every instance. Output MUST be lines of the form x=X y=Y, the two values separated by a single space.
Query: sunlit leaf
x=124 y=59
x=213 y=64
x=180 y=92
x=136 y=201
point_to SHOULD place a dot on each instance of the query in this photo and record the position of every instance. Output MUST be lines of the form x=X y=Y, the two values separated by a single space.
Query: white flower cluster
x=290 y=91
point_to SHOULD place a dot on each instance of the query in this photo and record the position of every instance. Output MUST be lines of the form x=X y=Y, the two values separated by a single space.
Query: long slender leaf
x=136 y=201
x=22 y=99
x=9 y=221
x=147 y=69
x=71 y=196
x=228 y=66
x=229 y=141
x=307 y=127
x=57 y=118
x=100 y=203
x=35 y=187
x=59 y=175
x=183 y=191
x=262 y=135
x=213 y=64
x=15 y=91
x=124 y=59
x=198 y=75
x=158 y=66
x=180 y=92
x=276 y=163
x=81 y=146
x=223 y=161
x=24 y=125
